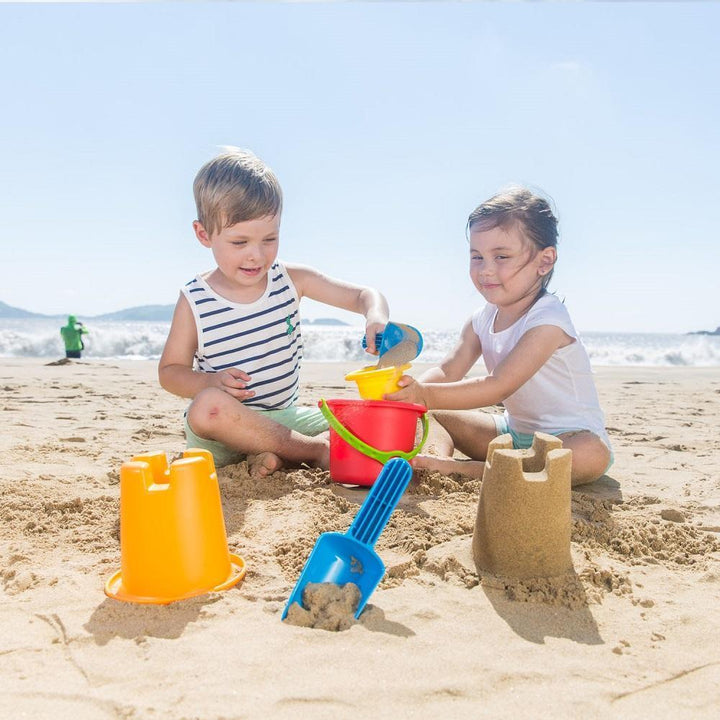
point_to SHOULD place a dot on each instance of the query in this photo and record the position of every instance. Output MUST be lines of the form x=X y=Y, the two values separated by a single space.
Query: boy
x=235 y=345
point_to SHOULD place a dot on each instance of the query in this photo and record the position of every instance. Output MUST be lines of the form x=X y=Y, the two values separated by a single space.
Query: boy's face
x=244 y=252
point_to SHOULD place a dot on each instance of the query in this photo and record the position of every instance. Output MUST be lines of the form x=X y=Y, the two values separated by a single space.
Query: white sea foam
x=41 y=338
x=328 y=343
x=652 y=349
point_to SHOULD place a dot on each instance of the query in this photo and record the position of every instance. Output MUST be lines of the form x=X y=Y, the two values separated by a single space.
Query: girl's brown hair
x=519 y=206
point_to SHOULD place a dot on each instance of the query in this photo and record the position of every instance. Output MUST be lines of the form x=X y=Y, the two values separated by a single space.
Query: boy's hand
x=411 y=391
x=233 y=382
x=373 y=329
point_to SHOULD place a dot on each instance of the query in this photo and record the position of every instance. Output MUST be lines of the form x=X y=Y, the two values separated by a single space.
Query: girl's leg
x=439 y=442
x=468 y=431
x=590 y=456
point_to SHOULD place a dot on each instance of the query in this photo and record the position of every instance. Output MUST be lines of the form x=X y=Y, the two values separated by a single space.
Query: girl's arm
x=532 y=351
x=366 y=301
x=175 y=369
x=458 y=361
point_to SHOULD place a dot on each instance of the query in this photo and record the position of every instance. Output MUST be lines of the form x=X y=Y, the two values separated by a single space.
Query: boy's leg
x=468 y=431
x=215 y=415
x=590 y=456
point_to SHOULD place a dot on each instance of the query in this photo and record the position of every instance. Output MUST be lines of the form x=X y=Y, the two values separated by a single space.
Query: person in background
x=235 y=341
x=72 y=337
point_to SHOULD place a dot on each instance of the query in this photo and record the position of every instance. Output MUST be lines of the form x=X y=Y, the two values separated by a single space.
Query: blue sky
x=386 y=124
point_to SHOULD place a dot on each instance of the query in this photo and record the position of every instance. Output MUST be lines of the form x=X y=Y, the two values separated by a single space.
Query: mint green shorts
x=523 y=441
x=305 y=420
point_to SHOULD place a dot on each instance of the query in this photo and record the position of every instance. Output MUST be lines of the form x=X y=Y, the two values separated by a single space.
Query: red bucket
x=372 y=432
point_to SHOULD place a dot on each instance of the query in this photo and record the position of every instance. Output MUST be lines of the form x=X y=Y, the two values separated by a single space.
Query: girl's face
x=506 y=268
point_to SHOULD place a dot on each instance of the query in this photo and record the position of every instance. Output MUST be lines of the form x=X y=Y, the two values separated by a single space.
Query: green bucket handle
x=382 y=456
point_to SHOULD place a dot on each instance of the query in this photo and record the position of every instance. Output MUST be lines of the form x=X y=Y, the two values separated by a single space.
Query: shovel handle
x=382 y=456
x=380 y=502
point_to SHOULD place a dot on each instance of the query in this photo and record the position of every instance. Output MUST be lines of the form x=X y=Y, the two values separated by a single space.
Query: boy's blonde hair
x=233 y=187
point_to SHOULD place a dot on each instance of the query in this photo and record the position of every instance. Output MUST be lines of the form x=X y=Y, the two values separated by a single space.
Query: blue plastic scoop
x=342 y=558
x=397 y=344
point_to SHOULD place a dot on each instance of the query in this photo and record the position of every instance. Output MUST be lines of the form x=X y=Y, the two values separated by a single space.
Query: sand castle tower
x=523 y=521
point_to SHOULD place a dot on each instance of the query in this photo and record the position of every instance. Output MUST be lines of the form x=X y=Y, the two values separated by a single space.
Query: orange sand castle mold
x=172 y=532
x=523 y=522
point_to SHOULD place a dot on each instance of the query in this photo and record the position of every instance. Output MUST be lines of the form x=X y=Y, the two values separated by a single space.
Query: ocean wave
x=41 y=338
x=652 y=349
x=145 y=340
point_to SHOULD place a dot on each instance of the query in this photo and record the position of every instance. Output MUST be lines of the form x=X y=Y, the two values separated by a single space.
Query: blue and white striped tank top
x=261 y=338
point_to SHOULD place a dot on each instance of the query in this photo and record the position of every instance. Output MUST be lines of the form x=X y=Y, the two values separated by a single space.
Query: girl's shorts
x=305 y=420
x=522 y=441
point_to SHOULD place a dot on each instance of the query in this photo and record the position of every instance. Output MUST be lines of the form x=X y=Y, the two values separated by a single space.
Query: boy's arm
x=532 y=351
x=366 y=301
x=175 y=369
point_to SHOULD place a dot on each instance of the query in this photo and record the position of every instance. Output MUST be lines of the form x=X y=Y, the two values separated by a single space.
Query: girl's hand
x=411 y=391
x=233 y=382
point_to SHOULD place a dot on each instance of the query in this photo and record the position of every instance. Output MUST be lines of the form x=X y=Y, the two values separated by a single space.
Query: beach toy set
x=366 y=433
x=173 y=543
x=371 y=442
x=172 y=531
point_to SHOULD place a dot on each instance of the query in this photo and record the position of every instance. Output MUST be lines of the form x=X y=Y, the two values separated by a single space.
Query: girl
x=538 y=368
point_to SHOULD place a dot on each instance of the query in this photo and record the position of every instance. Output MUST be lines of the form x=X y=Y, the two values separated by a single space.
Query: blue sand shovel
x=342 y=558
x=404 y=341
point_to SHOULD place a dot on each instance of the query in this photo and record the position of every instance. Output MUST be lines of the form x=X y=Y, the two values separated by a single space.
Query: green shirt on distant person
x=72 y=335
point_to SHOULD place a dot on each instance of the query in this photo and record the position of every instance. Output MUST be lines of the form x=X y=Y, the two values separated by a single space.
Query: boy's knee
x=206 y=411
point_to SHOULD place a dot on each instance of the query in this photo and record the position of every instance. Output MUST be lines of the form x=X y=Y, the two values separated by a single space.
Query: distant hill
x=152 y=313
x=147 y=313
x=157 y=313
x=716 y=331
x=8 y=311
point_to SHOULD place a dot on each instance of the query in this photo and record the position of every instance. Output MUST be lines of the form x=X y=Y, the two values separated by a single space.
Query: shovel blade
x=339 y=559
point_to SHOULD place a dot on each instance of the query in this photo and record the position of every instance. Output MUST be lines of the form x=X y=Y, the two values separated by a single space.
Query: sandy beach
x=631 y=633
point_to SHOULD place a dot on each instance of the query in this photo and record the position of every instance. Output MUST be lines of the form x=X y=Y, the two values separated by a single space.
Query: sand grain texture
x=631 y=632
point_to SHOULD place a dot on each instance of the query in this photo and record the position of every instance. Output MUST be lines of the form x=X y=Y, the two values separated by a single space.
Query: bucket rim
x=416 y=407
x=373 y=370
